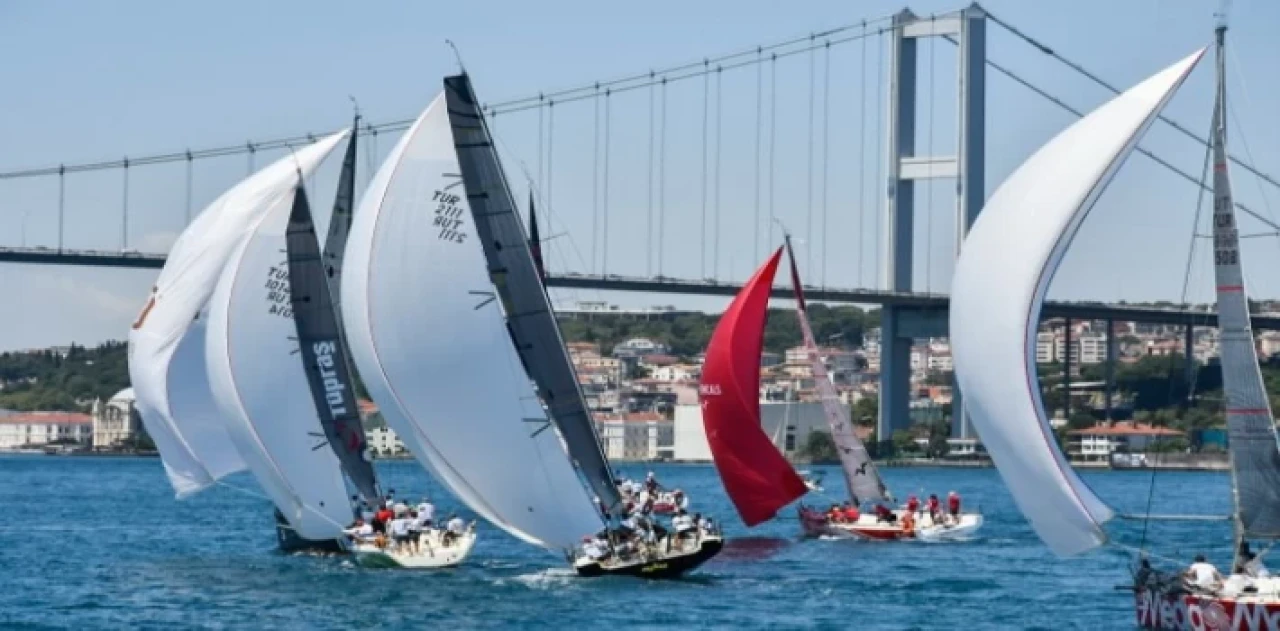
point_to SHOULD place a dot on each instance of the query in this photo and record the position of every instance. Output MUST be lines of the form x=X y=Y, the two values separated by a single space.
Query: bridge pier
x=904 y=167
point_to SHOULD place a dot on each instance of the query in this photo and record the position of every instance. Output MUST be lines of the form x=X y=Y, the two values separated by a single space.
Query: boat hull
x=1168 y=612
x=867 y=527
x=432 y=555
x=673 y=565
x=291 y=542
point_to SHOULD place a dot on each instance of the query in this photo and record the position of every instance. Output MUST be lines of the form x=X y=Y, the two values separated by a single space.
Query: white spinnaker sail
x=428 y=336
x=166 y=344
x=1000 y=282
x=260 y=384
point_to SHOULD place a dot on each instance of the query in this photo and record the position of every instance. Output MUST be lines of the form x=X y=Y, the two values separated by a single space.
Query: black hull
x=292 y=543
x=670 y=567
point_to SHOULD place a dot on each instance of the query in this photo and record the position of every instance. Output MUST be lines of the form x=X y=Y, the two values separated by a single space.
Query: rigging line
x=826 y=147
x=1244 y=142
x=1114 y=90
x=759 y=120
x=252 y=151
x=604 y=230
x=862 y=172
x=551 y=154
x=1138 y=149
x=773 y=137
x=190 y=175
x=662 y=181
x=62 y=199
x=880 y=140
x=1248 y=101
x=719 y=159
x=648 y=231
x=541 y=113
x=808 y=235
x=702 y=249
x=595 y=185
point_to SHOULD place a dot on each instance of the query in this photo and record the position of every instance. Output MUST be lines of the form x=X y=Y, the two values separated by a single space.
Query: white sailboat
x=1000 y=283
x=430 y=334
x=167 y=341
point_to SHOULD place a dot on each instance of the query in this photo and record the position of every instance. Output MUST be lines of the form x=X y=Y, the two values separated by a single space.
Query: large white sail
x=260 y=383
x=166 y=345
x=429 y=338
x=1255 y=457
x=1000 y=282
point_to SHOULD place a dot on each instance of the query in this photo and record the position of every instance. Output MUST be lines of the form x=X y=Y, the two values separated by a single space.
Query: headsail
x=756 y=476
x=166 y=343
x=1000 y=283
x=528 y=310
x=429 y=339
x=324 y=351
x=1255 y=457
x=261 y=386
x=860 y=475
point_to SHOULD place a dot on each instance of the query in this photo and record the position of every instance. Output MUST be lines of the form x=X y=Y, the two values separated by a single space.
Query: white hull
x=968 y=525
x=432 y=554
x=870 y=528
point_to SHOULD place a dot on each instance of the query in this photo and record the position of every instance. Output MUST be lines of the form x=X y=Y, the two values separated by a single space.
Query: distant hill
x=66 y=379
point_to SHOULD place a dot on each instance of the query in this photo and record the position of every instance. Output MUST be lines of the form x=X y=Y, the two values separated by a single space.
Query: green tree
x=904 y=442
x=866 y=411
x=819 y=447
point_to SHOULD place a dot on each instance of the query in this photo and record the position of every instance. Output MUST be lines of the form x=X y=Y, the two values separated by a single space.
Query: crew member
x=953 y=504
x=1203 y=576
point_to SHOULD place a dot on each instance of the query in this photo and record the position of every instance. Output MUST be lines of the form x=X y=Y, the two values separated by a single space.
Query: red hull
x=1206 y=613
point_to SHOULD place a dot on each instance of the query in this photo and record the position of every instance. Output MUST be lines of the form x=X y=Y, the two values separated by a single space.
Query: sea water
x=99 y=542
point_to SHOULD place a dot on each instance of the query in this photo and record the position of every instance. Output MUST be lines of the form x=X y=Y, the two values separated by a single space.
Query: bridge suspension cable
x=719 y=157
x=808 y=224
x=773 y=138
x=1203 y=140
x=759 y=123
x=662 y=181
x=880 y=140
x=860 y=250
x=702 y=235
x=595 y=186
x=604 y=229
x=929 y=213
x=826 y=147
x=648 y=233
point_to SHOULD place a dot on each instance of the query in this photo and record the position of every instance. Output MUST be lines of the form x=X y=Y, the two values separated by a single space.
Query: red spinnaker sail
x=756 y=476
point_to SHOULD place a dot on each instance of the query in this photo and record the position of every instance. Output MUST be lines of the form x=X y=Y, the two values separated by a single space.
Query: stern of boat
x=670 y=565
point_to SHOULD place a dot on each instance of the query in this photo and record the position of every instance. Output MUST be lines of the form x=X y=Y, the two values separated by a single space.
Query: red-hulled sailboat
x=756 y=476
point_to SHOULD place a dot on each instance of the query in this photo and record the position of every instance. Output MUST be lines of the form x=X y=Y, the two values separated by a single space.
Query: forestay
x=860 y=475
x=166 y=342
x=1255 y=457
x=511 y=266
x=429 y=338
x=323 y=351
x=1007 y=262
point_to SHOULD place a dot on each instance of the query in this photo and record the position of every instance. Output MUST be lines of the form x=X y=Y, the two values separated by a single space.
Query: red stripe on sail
x=1230 y=287
x=1248 y=411
x=756 y=476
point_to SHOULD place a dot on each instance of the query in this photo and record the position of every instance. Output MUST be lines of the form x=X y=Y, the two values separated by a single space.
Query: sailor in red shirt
x=935 y=511
x=953 y=504
x=913 y=504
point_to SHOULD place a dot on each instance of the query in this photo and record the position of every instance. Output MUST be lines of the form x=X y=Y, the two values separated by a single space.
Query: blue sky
x=98 y=81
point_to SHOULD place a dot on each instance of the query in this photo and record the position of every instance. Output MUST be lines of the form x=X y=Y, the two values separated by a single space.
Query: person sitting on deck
x=1250 y=564
x=913 y=504
x=684 y=528
x=595 y=548
x=883 y=514
x=1203 y=576
x=834 y=515
x=360 y=532
x=851 y=513
x=453 y=529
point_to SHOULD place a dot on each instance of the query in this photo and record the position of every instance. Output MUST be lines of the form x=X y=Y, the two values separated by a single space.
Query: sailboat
x=756 y=476
x=452 y=330
x=167 y=364
x=995 y=313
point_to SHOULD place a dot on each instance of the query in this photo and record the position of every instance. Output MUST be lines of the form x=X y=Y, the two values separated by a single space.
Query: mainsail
x=261 y=386
x=324 y=352
x=756 y=476
x=860 y=475
x=166 y=343
x=1255 y=457
x=1000 y=282
x=528 y=309
x=429 y=338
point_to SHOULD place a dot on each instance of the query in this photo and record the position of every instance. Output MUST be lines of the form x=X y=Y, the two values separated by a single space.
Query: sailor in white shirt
x=1203 y=575
x=426 y=513
x=399 y=529
x=361 y=531
x=682 y=522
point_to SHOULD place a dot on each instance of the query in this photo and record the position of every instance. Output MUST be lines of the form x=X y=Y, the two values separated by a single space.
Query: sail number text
x=278 y=298
x=448 y=217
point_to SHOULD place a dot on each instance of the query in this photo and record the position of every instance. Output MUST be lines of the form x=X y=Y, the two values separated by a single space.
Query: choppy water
x=100 y=543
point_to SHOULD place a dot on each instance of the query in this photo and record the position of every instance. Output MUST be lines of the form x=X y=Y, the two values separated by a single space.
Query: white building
x=1046 y=348
x=36 y=429
x=791 y=423
x=675 y=372
x=1092 y=348
x=117 y=422
x=638 y=436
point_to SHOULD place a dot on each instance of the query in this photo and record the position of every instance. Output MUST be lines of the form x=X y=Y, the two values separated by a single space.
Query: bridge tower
x=900 y=326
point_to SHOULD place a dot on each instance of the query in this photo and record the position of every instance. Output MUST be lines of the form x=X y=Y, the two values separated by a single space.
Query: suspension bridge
x=686 y=158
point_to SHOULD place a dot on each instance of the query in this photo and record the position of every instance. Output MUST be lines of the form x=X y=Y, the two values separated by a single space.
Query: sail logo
x=709 y=389
x=448 y=217
x=334 y=388
x=1200 y=614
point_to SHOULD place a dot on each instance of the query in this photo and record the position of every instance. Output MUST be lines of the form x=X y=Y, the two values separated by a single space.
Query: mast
x=335 y=244
x=512 y=270
x=860 y=475
x=323 y=348
x=1255 y=453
